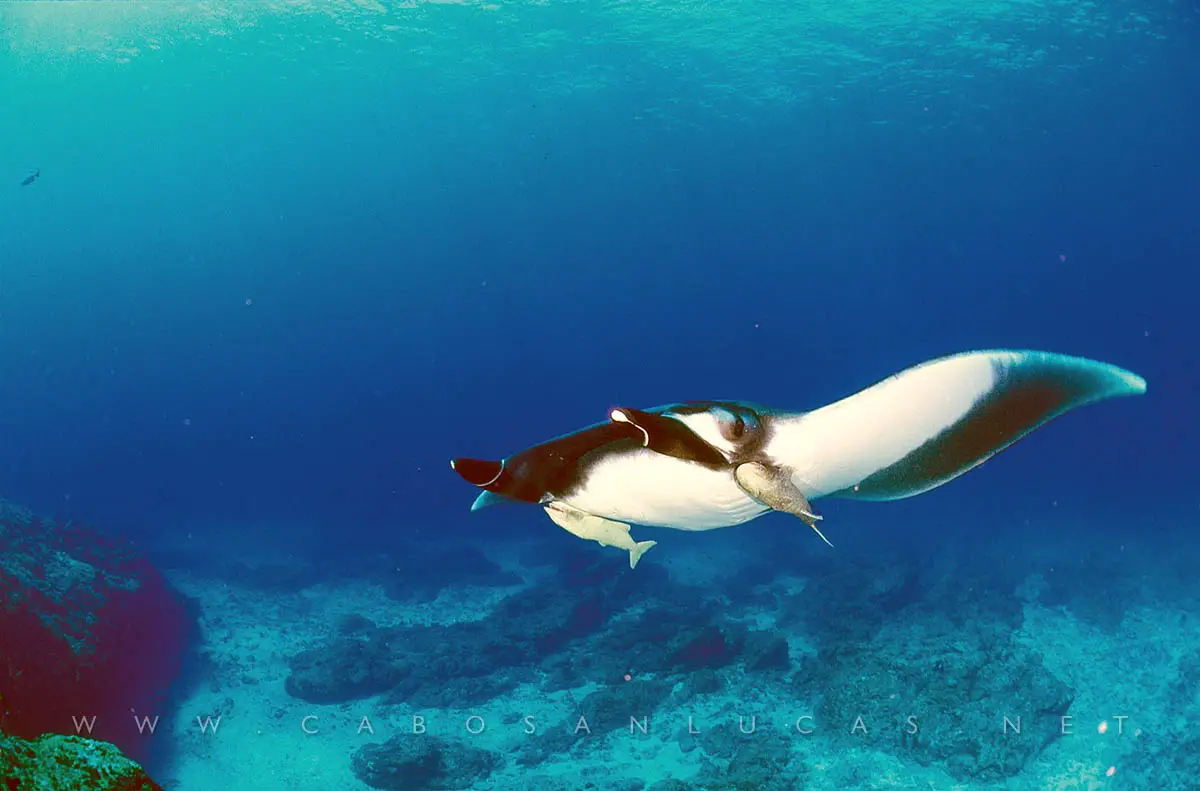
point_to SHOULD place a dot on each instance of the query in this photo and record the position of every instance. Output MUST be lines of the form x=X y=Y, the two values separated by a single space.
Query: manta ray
x=702 y=465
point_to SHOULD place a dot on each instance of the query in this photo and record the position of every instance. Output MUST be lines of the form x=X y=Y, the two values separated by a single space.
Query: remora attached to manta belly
x=706 y=464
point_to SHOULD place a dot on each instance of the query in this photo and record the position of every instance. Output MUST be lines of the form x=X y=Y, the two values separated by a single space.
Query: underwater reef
x=647 y=645
x=68 y=763
x=755 y=660
x=94 y=636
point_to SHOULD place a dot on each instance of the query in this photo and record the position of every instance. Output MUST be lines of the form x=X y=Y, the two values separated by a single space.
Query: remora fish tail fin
x=639 y=548
x=927 y=425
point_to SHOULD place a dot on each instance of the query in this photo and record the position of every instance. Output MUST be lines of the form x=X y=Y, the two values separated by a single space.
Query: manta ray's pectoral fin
x=773 y=486
x=605 y=532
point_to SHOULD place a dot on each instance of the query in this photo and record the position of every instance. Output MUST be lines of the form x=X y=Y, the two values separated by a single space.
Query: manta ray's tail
x=927 y=425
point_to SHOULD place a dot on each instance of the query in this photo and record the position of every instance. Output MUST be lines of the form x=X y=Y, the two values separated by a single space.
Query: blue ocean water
x=284 y=260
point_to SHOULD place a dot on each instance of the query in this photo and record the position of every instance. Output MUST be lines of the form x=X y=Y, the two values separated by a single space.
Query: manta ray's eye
x=736 y=426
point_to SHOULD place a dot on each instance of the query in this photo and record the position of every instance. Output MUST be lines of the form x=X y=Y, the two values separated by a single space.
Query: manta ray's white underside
x=647 y=488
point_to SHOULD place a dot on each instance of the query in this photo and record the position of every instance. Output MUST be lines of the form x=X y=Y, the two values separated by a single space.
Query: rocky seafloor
x=92 y=639
x=756 y=660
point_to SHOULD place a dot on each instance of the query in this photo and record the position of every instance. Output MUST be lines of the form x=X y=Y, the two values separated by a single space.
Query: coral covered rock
x=68 y=763
x=92 y=632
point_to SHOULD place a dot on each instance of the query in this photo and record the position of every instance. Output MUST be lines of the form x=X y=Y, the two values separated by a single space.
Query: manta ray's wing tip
x=1135 y=385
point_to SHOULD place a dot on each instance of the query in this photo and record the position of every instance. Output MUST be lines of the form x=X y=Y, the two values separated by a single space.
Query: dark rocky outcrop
x=629 y=706
x=90 y=629
x=758 y=762
x=346 y=669
x=711 y=648
x=593 y=621
x=423 y=763
x=1167 y=754
x=958 y=686
x=418 y=664
x=635 y=634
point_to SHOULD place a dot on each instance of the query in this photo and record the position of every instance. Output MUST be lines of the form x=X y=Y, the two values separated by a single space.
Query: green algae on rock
x=68 y=763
